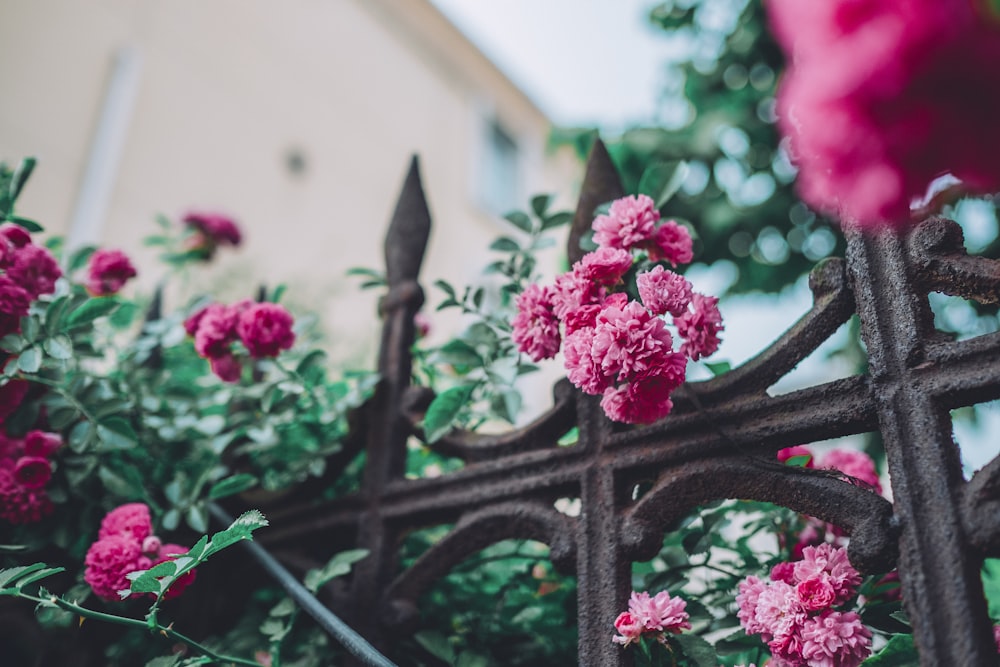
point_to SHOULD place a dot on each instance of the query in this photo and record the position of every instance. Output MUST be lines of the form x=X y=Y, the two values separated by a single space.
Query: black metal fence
x=716 y=444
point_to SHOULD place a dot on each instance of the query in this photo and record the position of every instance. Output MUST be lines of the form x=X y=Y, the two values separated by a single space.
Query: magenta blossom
x=211 y=231
x=854 y=464
x=34 y=269
x=629 y=628
x=604 y=266
x=664 y=291
x=216 y=330
x=700 y=327
x=656 y=616
x=836 y=639
x=672 y=243
x=630 y=221
x=265 y=329
x=109 y=271
x=536 y=327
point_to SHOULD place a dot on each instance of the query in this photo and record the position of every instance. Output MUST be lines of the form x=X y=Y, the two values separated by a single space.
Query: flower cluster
x=25 y=471
x=883 y=96
x=616 y=345
x=28 y=271
x=211 y=230
x=651 y=616
x=125 y=544
x=794 y=611
x=108 y=272
x=264 y=329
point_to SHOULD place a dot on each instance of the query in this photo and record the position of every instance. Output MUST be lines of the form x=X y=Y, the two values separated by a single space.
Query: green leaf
x=312 y=360
x=899 y=652
x=505 y=244
x=11 y=576
x=21 y=176
x=444 y=409
x=458 y=353
x=445 y=287
x=124 y=315
x=148 y=581
x=338 y=566
x=90 y=310
x=12 y=343
x=30 y=361
x=557 y=220
x=991 y=585
x=241 y=529
x=699 y=651
x=79 y=258
x=165 y=661
x=540 y=204
x=232 y=485
x=210 y=425
x=662 y=180
x=30 y=225
x=197 y=518
x=59 y=347
x=519 y=220
x=54 y=314
x=719 y=367
x=117 y=433
x=437 y=645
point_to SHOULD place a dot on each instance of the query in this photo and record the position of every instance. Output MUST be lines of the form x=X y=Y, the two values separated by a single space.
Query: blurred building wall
x=296 y=117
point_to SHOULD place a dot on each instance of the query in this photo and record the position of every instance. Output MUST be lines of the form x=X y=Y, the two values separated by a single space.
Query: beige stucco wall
x=226 y=89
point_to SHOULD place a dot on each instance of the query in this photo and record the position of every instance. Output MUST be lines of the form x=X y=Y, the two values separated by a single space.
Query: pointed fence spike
x=406 y=240
x=601 y=183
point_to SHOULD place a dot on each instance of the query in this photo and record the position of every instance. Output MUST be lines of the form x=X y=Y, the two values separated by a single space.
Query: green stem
x=167 y=631
x=70 y=398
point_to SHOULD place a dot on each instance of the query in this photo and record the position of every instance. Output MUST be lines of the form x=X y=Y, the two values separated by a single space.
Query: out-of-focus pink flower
x=700 y=327
x=629 y=628
x=996 y=636
x=16 y=235
x=604 y=266
x=14 y=302
x=108 y=561
x=536 y=327
x=671 y=243
x=40 y=443
x=265 y=329
x=132 y=519
x=170 y=552
x=783 y=571
x=664 y=291
x=854 y=464
x=422 y=324
x=630 y=221
x=883 y=96
x=34 y=269
x=32 y=472
x=748 y=595
x=213 y=230
x=20 y=504
x=796 y=452
x=227 y=367
x=215 y=330
x=109 y=271
x=11 y=395
x=835 y=638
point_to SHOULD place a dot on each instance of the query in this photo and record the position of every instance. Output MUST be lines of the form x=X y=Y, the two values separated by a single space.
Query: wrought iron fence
x=719 y=442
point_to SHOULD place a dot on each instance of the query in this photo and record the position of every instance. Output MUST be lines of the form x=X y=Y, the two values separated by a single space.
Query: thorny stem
x=165 y=631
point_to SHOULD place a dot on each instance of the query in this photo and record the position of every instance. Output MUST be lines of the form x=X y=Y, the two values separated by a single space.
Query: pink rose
x=109 y=271
x=265 y=329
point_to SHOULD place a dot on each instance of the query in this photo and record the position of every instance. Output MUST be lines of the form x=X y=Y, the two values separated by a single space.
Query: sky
x=584 y=62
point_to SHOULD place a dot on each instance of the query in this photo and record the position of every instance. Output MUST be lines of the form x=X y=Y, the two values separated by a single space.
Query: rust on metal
x=719 y=442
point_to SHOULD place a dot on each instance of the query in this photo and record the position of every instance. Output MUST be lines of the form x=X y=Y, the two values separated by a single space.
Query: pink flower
x=629 y=627
x=604 y=266
x=16 y=235
x=572 y=292
x=784 y=571
x=40 y=443
x=536 y=328
x=796 y=452
x=216 y=330
x=630 y=343
x=664 y=291
x=629 y=222
x=700 y=327
x=816 y=593
x=20 y=504
x=132 y=520
x=35 y=270
x=659 y=613
x=109 y=271
x=212 y=230
x=14 y=302
x=265 y=329
x=996 y=636
x=108 y=561
x=779 y=612
x=831 y=562
x=746 y=602
x=835 y=639
x=647 y=399
x=672 y=243
x=32 y=472
x=581 y=368
x=227 y=367
x=882 y=97
x=854 y=464
x=11 y=395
